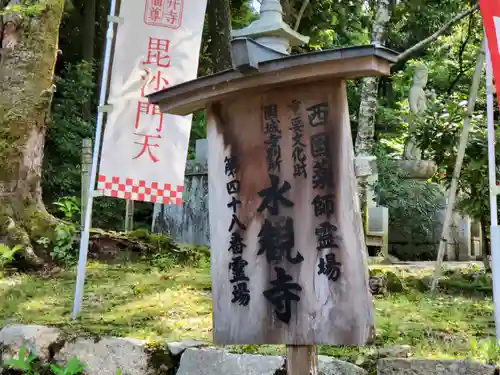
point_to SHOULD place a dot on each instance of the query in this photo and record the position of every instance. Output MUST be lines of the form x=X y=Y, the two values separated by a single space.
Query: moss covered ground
x=156 y=301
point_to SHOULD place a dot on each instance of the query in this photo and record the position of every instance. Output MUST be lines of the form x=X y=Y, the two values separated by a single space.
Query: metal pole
x=86 y=165
x=494 y=229
x=458 y=165
x=84 y=240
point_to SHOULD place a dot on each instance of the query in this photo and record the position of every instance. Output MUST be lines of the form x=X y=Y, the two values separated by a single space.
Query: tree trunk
x=26 y=89
x=88 y=44
x=287 y=7
x=369 y=88
x=219 y=28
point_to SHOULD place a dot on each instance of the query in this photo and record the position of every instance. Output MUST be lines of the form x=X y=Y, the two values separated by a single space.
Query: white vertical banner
x=144 y=151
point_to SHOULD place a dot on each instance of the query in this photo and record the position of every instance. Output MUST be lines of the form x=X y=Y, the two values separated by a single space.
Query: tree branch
x=461 y=51
x=422 y=44
x=301 y=14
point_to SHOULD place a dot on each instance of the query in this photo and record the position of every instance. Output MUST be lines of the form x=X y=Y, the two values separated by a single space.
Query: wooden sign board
x=288 y=253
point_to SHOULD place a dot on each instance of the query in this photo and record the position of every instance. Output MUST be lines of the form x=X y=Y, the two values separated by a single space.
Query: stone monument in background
x=188 y=223
x=465 y=235
x=418 y=105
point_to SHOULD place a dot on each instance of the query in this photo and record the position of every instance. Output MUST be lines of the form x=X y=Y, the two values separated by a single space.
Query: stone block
x=38 y=340
x=107 y=356
x=177 y=348
x=396 y=366
x=218 y=362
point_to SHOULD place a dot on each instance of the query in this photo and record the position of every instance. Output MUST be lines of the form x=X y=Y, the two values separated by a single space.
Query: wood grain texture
x=191 y=96
x=301 y=360
x=334 y=313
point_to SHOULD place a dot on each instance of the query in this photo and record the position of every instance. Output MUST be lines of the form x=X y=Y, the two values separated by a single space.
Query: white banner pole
x=452 y=191
x=84 y=239
x=495 y=228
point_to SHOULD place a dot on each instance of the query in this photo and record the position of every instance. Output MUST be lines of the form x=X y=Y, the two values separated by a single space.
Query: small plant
x=68 y=206
x=7 y=254
x=163 y=262
x=43 y=241
x=486 y=350
x=73 y=367
x=27 y=362
x=23 y=362
x=63 y=243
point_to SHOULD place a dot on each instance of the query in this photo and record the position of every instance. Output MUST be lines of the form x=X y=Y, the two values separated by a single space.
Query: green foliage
x=23 y=362
x=61 y=172
x=69 y=207
x=412 y=205
x=194 y=256
x=73 y=367
x=391 y=282
x=486 y=350
x=27 y=364
x=471 y=280
x=413 y=21
x=333 y=24
x=241 y=14
x=24 y=10
x=157 y=243
x=163 y=253
x=439 y=133
x=63 y=249
x=7 y=254
x=198 y=131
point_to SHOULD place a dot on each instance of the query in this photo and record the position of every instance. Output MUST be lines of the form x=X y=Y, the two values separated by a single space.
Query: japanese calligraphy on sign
x=288 y=254
x=144 y=150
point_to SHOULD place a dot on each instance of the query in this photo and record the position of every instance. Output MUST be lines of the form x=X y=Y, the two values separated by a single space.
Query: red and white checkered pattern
x=140 y=190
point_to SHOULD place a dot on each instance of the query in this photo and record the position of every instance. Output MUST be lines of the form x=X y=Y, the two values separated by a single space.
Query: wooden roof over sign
x=346 y=63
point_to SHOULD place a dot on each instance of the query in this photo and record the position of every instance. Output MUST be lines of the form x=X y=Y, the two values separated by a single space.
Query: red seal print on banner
x=164 y=13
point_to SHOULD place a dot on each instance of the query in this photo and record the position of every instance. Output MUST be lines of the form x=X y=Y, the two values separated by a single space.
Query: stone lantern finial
x=271 y=31
x=271 y=10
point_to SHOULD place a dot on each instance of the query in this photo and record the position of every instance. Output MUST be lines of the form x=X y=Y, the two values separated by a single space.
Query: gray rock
x=398 y=351
x=332 y=366
x=390 y=366
x=177 y=348
x=107 y=356
x=36 y=339
x=218 y=362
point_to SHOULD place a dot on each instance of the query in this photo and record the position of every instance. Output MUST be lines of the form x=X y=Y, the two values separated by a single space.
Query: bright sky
x=256 y=5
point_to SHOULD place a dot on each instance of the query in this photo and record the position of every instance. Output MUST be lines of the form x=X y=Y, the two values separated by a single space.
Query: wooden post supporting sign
x=301 y=360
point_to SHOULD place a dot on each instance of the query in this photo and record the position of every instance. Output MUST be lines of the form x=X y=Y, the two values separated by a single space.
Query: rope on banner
x=84 y=239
